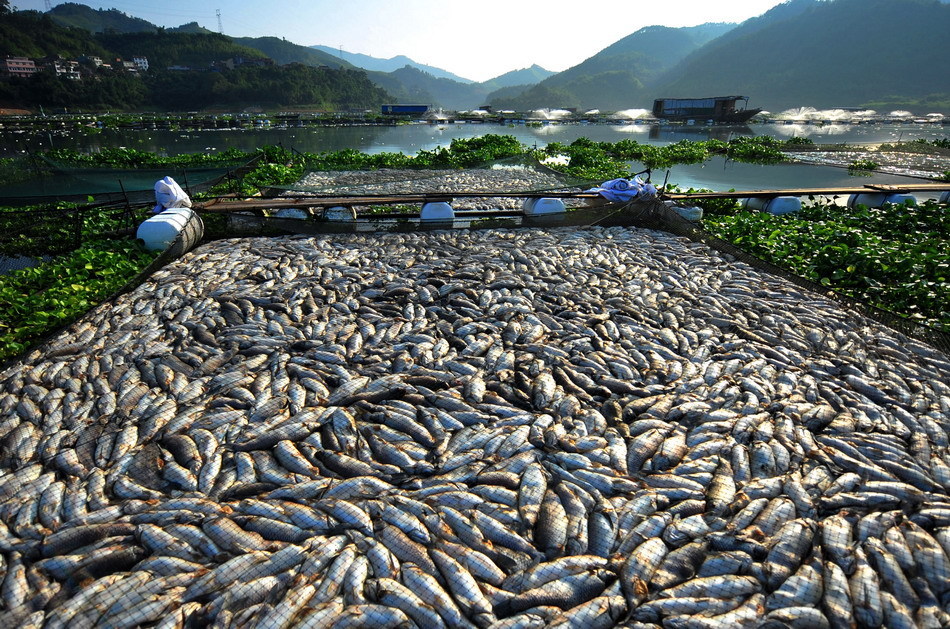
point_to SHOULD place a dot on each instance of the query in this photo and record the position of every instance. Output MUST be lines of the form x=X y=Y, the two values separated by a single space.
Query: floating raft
x=225 y=204
x=804 y=192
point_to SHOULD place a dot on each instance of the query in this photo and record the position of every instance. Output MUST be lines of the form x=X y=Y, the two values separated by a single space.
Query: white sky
x=475 y=40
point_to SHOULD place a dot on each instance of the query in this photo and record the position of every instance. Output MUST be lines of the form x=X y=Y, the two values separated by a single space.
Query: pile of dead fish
x=396 y=181
x=571 y=428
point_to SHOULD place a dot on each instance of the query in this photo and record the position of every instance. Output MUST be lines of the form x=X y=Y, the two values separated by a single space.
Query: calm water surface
x=716 y=174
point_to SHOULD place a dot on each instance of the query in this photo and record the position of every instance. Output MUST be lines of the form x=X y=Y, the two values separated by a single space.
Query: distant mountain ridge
x=825 y=53
x=524 y=76
x=615 y=77
x=283 y=52
x=404 y=78
x=98 y=20
x=822 y=53
x=392 y=64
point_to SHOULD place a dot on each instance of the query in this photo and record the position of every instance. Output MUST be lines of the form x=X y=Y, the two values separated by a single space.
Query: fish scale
x=550 y=400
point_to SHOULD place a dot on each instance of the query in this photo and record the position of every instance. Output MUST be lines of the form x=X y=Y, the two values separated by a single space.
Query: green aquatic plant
x=894 y=257
x=38 y=300
x=862 y=167
x=796 y=141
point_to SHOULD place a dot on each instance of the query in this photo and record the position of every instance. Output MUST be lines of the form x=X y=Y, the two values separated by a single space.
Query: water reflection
x=415 y=137
x=721 y=174
x=410 y=139
x=675 y=133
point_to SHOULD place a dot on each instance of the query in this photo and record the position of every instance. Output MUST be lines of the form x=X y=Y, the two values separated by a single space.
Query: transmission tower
x=218 y=12
x=49 y=5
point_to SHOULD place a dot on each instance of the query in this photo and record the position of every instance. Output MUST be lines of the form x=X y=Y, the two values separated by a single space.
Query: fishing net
x=40 y=180
x=513 y=174
x=545 y=427
x=672 y=222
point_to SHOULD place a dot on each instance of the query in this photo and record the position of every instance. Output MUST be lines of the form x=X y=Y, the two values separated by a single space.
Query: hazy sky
x=475 y=40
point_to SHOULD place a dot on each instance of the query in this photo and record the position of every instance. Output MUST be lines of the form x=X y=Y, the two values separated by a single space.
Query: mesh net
x=570 y=427
x=41 y=180
x=513 y=174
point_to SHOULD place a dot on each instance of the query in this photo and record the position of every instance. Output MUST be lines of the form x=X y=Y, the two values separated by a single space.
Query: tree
x=4 y=6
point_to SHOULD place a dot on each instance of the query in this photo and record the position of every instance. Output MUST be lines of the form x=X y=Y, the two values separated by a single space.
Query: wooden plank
x=804 y=192
x=230 y=205
x=237 y=205
x=923 y=187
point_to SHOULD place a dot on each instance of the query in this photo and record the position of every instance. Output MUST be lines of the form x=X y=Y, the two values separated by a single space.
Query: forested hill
x=822 y=53
x=164 y=48
x=98 y=20
x=844 y=53
x=283 y=52
x=377 y=64
x=118 y=23
x=617 y=77
x=32 y=34
x=36 y=35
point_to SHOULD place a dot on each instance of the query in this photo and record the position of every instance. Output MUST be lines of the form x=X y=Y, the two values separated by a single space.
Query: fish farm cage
x=608 y=418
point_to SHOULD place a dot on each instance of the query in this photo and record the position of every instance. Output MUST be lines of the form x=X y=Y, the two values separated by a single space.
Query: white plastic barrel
x=161 y=230
x=544 y=205
x=773 y=205
x=340 y=214
x=877 y=199
x=437 y=211
x=901 y=199
x=293 y=212
x=689 y=213
x=870 y=199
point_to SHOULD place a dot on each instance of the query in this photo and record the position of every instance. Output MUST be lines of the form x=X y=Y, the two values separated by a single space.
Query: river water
x=717 y=174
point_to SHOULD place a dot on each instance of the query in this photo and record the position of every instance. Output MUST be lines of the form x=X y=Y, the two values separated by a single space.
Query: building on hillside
x=63 y=68
x=18 y=66
x=141 y=63
x=66 y=68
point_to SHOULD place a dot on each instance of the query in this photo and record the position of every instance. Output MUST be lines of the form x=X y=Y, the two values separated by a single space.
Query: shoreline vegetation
x=893 y=258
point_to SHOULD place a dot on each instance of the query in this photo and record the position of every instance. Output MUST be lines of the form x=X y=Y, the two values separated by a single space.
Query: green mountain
x=616 y=77
x=524 y=77
x=116 y=22
x=376 y=64
x=283 y=52
x=840 y=53
x=164 y=48
x=33 y=34
x=411 y=84
x=195 y=46
x=190 y=27
x=98 y=21
x=409 y=81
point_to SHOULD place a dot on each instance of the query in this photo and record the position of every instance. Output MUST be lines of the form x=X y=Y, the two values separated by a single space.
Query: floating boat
x=716 y=108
